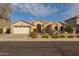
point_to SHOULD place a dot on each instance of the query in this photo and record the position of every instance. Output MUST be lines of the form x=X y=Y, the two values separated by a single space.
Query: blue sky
x=44 y=11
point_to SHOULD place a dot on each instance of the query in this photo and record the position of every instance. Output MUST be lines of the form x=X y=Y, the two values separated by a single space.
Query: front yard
x=22 y=37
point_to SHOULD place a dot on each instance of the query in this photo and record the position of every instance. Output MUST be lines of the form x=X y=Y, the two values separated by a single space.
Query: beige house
x=24 y=27
x=5 y=25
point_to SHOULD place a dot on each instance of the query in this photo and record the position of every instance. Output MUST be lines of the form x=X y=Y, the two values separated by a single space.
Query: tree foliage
x=69 y=29
x=5 y=10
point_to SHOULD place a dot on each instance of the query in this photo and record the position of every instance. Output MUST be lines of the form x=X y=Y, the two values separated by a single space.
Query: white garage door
x=21 y=30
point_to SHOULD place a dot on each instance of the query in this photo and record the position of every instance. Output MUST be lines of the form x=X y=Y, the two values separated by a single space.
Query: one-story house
x=24 y=27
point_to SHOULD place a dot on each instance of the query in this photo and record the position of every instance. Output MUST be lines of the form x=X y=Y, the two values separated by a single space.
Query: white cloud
x=38 y=10
x=72 y=11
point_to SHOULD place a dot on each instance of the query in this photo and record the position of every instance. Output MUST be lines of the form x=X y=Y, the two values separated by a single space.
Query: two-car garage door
x=21 y=30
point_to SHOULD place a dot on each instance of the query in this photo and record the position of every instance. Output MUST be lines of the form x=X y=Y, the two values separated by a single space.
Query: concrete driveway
x=13 y=37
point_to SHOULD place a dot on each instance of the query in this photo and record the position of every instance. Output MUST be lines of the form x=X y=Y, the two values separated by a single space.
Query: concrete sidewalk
x=40 y=39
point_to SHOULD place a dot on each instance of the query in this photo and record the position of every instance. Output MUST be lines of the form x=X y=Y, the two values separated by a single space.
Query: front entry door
x=39 y=28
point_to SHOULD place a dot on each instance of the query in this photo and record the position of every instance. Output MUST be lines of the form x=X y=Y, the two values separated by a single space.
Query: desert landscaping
x=38 y=30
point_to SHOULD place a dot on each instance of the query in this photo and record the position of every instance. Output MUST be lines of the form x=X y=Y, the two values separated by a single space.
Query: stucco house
x=24 y=27
x=5 y=25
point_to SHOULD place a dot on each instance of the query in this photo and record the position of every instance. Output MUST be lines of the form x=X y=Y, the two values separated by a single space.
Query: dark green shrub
x=55 y=36
x=70 y=36
x=69 y=29
x=77 y=36
x=45 y=36
x=35 y=30
x=62 y=36
x=8 y=31
x=1 y=30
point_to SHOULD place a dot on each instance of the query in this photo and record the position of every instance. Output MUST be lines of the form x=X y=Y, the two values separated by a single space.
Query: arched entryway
x=39 y=28
x=56 y=28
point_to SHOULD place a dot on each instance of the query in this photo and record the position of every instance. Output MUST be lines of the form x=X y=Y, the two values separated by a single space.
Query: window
x=62 y=28
x=56 y=28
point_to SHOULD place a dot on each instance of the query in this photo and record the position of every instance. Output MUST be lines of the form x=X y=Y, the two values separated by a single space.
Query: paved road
x=10 y=45
x=39 y=48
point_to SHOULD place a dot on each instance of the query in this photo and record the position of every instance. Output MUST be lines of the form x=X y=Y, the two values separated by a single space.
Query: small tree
x=69 y=29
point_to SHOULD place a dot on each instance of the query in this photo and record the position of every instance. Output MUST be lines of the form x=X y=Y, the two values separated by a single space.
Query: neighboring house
x=5 y=25
x=74 y=22
x=24 y=27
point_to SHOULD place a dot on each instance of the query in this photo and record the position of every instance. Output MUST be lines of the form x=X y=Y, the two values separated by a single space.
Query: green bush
x=70 y=36
x=69 y=29
x=45 y=36
x=1 y=30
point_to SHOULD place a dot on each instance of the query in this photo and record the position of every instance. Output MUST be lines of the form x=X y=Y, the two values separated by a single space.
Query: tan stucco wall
x=36 y=23
x=59 y=26
x=4 y=24
x=54 y=24
x=77 y=20
x=19 y=23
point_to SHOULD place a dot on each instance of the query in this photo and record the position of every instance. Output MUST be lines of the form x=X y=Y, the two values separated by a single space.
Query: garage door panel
x=21 y=30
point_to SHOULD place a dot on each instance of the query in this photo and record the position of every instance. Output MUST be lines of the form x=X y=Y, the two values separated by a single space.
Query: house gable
x=21 y=23
x=52 y=24
x=36 y=22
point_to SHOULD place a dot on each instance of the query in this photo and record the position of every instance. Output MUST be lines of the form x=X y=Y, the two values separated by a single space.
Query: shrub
x=62 y=36
x=35 y=30
x=55 y=36
x=77 y=36
x=69 y=28
x=70 y=36
x=56 y=33
x=34 y=34
x=45 y=36
x=1 y=30
x=49 y=31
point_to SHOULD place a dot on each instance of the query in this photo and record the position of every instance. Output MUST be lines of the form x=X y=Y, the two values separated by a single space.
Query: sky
x=44 y=11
